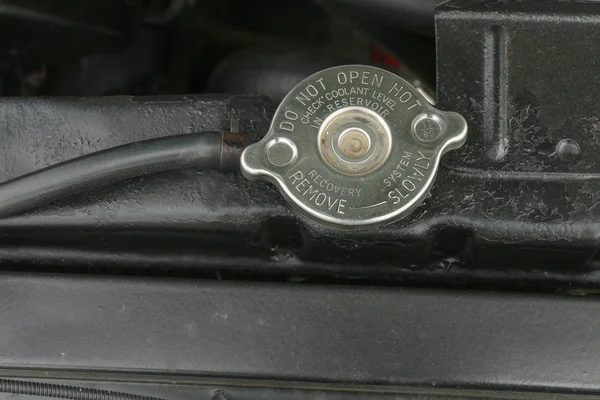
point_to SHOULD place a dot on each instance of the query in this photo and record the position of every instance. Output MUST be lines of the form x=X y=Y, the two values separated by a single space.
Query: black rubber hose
x=65 y=392
x=199 y=150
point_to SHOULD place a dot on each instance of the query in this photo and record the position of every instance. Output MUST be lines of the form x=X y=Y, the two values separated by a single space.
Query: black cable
x=199 y=150
x=65 y=392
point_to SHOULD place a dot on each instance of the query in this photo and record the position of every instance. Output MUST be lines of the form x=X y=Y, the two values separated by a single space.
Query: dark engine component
x=30 y=30
x=531 y=96
x=410 y=15
x=267 y=71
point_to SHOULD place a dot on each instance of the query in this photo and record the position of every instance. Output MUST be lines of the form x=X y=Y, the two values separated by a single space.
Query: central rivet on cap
x=354 y=143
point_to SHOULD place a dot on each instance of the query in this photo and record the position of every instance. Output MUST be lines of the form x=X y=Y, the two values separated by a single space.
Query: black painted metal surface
x=505 y=232
x=335 y=335
x=523 y=74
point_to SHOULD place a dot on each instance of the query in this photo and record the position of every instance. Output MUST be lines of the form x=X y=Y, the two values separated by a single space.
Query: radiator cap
x=354 y=146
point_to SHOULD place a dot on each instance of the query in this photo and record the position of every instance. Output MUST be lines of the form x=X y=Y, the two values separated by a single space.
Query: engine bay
x=299 y=199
